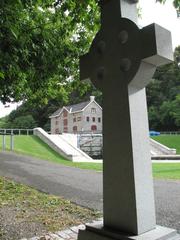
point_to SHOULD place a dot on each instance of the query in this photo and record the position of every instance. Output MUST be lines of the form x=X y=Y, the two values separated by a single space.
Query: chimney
x=92 y=98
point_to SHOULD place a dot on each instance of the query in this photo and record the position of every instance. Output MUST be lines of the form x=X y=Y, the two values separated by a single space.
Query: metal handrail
x=17 y=131
x=4 y=141
x=1 y=133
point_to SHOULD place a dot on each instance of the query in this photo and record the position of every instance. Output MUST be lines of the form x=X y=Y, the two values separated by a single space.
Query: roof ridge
x=75 y=108
x=77 y=103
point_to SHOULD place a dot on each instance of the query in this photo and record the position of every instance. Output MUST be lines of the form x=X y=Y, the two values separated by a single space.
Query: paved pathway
x=80 y=186
x=84 y=187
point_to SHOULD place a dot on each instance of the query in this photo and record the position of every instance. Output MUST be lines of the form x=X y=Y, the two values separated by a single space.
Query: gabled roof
x=77 y=107
x=73 y=108
x=56 y=113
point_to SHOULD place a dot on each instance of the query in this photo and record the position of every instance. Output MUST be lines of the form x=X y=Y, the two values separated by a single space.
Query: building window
x=74 y=128
x=79 y=119
x=65 y=113
x=74 y=119
x=99 y=119
x=65 y=121
x=93 y=119
x=93 y=127
x=87 y=119
x=65 y=129
x=93 y=110
x=57 y=122
x=57 y=131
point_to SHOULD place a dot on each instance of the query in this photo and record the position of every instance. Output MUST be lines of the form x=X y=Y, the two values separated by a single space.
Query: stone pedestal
x=100 y=233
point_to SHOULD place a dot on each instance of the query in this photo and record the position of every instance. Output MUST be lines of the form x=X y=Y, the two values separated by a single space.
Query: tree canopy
x=40 y=44
x=176 y=4
x=163 y=95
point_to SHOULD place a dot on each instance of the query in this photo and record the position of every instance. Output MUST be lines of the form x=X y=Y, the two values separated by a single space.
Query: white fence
x=170 y=133
x=16 y=131
x=4 y=141
x=9 y=133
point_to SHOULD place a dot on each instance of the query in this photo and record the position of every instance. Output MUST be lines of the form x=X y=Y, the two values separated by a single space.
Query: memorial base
x=100 y=233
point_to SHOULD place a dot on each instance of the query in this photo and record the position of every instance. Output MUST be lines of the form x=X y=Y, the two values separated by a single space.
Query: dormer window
x=64 y=113
x=93 y=110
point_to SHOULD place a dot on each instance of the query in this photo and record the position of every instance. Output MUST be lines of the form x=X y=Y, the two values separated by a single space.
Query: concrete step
x=166 y=157
x=177 y=237
x=62 y=146
x=158 y=149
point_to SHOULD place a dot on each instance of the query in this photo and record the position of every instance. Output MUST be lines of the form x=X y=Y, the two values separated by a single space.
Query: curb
x=67 y=234
x=166 y=157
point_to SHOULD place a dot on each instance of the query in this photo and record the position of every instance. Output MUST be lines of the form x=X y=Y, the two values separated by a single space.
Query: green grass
x=33 y=146
x=166 y=170
x=171 y=141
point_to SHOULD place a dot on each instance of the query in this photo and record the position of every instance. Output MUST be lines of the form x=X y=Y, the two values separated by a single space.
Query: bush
x=26 y=122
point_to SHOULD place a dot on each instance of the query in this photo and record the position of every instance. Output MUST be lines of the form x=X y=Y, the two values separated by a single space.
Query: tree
x=176 y=4
x=24 y=122
x=3 y=122
x=163 y=96
x=40 y=115
x=40 y=44
x=176 y=110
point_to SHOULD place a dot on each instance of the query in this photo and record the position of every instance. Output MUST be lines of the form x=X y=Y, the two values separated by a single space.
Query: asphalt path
x=84 y=187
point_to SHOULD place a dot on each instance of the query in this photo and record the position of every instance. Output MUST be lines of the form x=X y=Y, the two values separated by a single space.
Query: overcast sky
x=165 y=15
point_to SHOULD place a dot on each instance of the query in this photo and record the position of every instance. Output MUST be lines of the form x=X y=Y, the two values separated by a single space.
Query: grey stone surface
x=67 y=234
x=99 y=233
x=121 y=61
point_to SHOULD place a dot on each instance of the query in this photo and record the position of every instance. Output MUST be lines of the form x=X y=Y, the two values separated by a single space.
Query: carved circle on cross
x=115 y=53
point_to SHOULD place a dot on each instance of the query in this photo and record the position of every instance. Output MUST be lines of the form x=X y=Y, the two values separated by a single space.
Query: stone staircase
x=158 y=149
x=68 y=146
x=62 y=146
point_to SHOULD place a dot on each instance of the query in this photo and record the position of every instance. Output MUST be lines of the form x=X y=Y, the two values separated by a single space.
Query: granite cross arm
x=120 y=46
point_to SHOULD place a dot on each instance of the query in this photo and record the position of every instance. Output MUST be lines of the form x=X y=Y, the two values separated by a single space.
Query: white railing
x=16 y=131
x=170 y=133
x=4 y=141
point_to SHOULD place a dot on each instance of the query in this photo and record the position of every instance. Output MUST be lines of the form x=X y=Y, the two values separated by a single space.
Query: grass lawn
x=33 y=146
x=171 y=141
x=29 y=207
x=166 y=170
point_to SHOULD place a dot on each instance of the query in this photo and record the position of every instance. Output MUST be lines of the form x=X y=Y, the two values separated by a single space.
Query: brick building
x=82 y=117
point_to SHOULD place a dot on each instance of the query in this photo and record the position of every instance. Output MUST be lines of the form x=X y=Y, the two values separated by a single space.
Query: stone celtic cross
x=121 y=61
